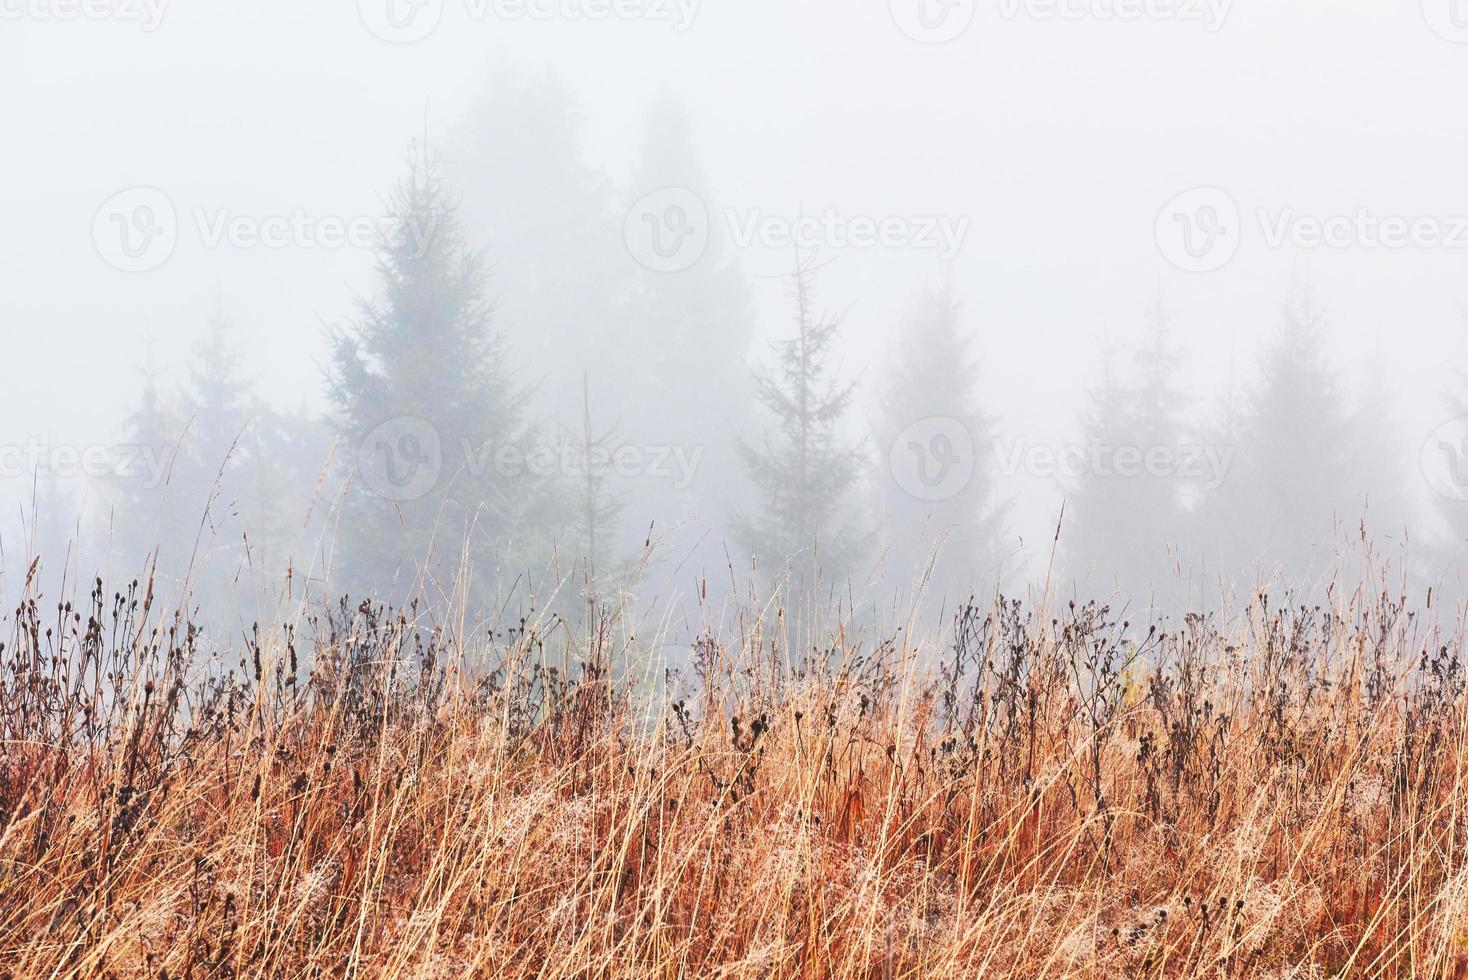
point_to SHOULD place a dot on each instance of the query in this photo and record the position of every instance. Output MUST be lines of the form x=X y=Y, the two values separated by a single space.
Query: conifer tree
x=445 y=478
x=677 y=372
x=54 y=526
x=597 y=511
x=214 y=471
x=1293 y=485
x=805 y=476
x=1446 y=455
x=1379 y=461
x=137 y=511
x=1125 y=515
x=933 y=379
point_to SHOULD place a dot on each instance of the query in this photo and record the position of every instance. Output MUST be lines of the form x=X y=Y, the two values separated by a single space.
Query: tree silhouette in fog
x=806 y=475
x=1295 y=484
x=138 y=491
x=933 y=380
x=1124 y=516
x=445 y=479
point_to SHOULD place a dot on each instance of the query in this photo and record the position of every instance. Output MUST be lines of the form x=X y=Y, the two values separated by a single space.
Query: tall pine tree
x=138 y=512
x=806 y=476
x=598 y=513
x=1125 y=516
x=446 y=480
x=933 y=379
x=1450 y=456
x=213 y=475
x=676 y=375
x=1293 y=488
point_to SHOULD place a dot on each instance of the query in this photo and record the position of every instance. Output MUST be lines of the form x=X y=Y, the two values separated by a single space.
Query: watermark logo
x=146 y=466
x=410 y=21
x=1206 y=465
x=406 y=458
x=832 y=230
x=679 y=13
x=400 y=21
x=1200 y=230
x=676 y=465
x=1212 y=14
x=299 y=228
x=1445 y=459
x=147 y=14
x=933 y=459
x=1362 y=230
x=1447 y=18
x=136 y=230
x=402 y=459
x=668 y=230
x=933 y=21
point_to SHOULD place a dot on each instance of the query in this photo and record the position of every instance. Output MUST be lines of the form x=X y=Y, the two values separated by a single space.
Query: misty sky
x=1056 y=141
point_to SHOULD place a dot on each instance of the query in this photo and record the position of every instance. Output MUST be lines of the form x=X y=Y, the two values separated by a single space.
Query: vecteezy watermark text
x=40 y=459
x=670 y=229
x=1208 y=465
x=935 y=459
x=406 y=458
x=940 y=21
x=1211 y=14
x=147 y=14
x=137 y=230
x=831 y=229
x=1362 y=230
x=1201 y=230
x=409 y=21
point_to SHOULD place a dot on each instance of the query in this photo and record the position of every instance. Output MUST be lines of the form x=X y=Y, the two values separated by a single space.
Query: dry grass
x=1051 y=795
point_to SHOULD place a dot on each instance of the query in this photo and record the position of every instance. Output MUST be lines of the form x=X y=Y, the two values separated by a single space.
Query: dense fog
x=505 y=304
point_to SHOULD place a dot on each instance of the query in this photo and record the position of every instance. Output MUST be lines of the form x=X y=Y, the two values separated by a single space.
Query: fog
x=1184 y=279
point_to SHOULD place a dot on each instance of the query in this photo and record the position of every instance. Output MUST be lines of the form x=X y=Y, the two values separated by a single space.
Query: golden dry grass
x=1041 y=795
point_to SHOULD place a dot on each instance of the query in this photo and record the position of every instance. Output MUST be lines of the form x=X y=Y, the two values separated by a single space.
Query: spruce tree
x=597 y=512
x=54 y=532
x=287 y=452
x=1379 y=462
x=805 y=476
x=444 y=478
x=517 y=162
x=138 y=512
x=932 y=385
x=214 y=471
x=1125 y=516
x=219 y=397
x=1292 y=486
x=1445 y=457
x=676 y=373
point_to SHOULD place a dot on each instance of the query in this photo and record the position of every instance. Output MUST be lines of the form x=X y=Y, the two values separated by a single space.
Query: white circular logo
x=400 y=21
x=668 y=230
x=1448 y=19
x=402 y=459
x=933 y=459
x=136 y=230
x=933 y=21
x=1445 y=459
x=1200 y=230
